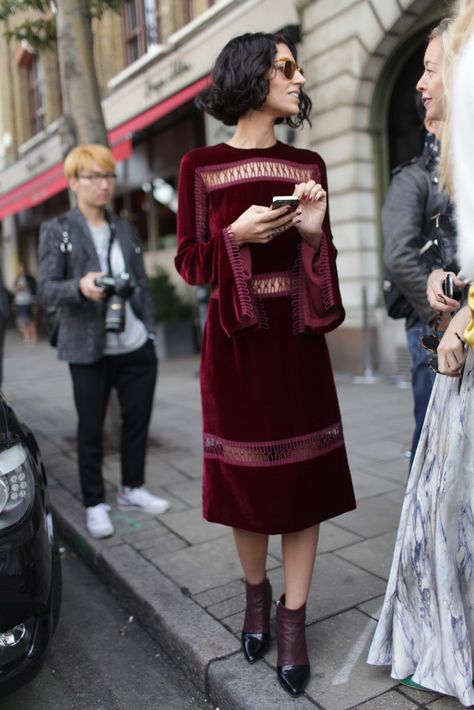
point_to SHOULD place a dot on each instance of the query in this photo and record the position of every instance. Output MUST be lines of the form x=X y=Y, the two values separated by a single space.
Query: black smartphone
x=448 y=286
x=281 y=200
x=449 y=290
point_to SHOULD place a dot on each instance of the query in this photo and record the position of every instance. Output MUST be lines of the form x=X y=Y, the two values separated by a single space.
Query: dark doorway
x=405 y=124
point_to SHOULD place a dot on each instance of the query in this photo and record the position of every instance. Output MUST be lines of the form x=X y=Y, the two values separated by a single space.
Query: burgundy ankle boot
x=292 y=661
x=256 y=628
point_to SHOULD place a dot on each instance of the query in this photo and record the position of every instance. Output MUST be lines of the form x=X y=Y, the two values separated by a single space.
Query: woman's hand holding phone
x=309 y=217
x=438 y=300
x=258 y=224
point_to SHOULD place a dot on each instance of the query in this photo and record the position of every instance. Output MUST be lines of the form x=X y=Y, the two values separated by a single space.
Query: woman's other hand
x=451 y=351
x=434 y=291
x=310 y=215
x=258 y=225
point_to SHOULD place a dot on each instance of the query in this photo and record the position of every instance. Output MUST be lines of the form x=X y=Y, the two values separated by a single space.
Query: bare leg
x=252 y=550
x=299 y=552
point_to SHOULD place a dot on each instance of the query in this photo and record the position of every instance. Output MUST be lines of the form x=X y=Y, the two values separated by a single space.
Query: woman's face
x=283 y=98
x=430 y=85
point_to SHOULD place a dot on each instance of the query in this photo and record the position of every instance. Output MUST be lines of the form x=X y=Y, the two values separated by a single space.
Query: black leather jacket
x=412 y=200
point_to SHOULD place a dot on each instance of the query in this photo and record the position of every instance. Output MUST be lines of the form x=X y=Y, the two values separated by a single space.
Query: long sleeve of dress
x=209 y=256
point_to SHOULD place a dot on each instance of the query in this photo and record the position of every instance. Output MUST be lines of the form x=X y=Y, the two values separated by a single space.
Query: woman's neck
x=253 y=131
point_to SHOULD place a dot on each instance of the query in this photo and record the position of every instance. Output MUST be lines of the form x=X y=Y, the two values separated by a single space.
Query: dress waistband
x=268 y=285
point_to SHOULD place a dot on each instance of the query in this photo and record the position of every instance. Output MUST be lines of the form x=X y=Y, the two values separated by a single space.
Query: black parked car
x=30 y=568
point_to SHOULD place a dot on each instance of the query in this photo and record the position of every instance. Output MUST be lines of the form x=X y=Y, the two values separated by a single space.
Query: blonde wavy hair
x=460 y=30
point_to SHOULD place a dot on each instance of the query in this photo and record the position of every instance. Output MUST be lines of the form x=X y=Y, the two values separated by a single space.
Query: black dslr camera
x=117 y=290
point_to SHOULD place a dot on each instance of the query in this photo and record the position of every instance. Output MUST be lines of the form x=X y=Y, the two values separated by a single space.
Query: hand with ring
x=310 y=215
x=258 y=224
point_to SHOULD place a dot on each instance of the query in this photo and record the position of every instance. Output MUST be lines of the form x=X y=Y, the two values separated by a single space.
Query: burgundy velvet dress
x=274 y=455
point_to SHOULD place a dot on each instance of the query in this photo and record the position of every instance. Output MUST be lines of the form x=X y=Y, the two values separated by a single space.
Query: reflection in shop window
x=141 y=27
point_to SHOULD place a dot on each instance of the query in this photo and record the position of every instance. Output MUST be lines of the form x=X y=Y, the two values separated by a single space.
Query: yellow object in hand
x=469 y=332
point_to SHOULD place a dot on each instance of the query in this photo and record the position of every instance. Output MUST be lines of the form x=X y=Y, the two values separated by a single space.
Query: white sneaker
x=141 y=499
x=98 y=522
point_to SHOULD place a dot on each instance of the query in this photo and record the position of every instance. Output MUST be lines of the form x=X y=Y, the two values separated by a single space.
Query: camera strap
x=111 y=242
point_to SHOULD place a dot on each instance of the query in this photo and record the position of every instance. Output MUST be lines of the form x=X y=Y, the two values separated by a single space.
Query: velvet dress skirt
x=274 y=455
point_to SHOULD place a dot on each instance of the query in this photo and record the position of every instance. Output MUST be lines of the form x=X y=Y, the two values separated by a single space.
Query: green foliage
x=168 y=303
x=40 y=32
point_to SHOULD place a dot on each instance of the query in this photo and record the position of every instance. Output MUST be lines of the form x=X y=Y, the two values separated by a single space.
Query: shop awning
x=49 y=183
x=137 y=123
x=52 y=181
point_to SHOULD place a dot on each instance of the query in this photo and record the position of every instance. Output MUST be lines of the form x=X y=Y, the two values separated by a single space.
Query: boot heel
x=292 y=662
x=256 y=628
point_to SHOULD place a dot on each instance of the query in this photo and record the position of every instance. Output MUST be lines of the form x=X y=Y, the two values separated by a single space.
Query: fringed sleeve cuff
x=237 y=309
x=320 y=304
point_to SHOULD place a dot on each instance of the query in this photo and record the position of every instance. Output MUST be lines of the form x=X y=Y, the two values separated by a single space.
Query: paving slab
x=374 y=555
x=366 y=485
x=337 y=585
x=390 y=701
x=187 y=491
x=372 y=517
x=218 y=594
x=203 y=566
x=192 y=527
x=423 y=697
x=373 y=607
x=445 y=703
x=332 y=537
x=338 y=647
x=237 y=685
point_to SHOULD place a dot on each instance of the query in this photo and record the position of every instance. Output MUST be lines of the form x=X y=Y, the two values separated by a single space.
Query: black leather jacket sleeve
x=403 y=221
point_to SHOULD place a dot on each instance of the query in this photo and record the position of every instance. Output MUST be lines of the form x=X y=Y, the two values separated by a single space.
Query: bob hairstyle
x=81 y=157
x=240 y=79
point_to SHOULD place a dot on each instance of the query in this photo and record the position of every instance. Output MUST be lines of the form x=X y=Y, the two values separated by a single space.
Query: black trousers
x=134 y=377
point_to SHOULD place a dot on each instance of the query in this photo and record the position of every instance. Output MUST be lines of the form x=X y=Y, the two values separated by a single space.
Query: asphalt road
x=101 y=658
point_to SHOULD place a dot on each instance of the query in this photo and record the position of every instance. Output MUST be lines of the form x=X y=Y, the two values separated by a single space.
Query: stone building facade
x=354 y=52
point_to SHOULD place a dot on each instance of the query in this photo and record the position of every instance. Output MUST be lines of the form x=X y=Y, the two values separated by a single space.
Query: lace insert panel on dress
x=219 y=176
x=274 y=453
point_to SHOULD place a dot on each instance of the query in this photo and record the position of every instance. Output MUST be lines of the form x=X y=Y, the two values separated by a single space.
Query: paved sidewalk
x=180 y=575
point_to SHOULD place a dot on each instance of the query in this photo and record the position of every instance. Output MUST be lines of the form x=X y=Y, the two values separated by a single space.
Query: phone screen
x=281 y=200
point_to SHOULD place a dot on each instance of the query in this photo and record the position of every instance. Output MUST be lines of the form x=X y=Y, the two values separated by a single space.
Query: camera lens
x=115 y=314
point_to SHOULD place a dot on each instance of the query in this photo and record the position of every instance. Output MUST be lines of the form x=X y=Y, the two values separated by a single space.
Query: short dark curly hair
x=240 y=83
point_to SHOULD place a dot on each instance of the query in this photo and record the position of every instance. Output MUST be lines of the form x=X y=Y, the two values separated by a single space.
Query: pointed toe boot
x=292 y=662
x=256 y=628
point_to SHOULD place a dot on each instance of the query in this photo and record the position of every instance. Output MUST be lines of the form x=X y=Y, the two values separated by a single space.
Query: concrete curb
x=187 y=632
x=203 y=648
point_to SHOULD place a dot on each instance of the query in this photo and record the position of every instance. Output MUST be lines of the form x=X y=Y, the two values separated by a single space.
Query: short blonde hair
x=81 y=157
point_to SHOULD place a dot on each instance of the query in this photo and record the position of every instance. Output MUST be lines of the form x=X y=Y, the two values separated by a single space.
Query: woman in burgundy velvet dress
x=274 y=456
